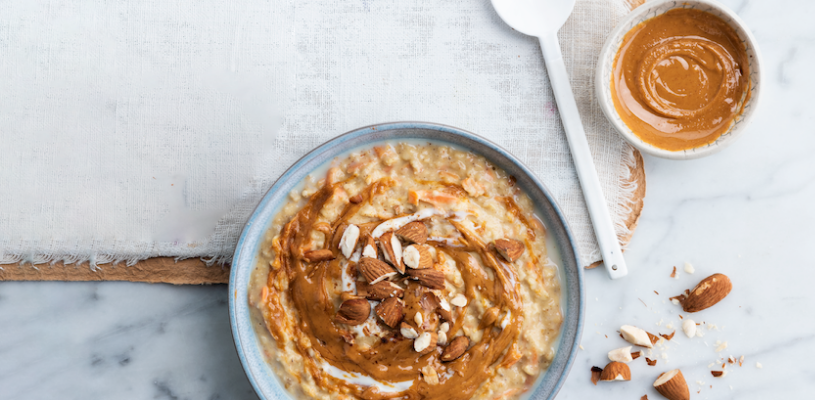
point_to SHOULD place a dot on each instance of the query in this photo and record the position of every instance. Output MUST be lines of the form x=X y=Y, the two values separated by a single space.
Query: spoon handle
x=581 y=155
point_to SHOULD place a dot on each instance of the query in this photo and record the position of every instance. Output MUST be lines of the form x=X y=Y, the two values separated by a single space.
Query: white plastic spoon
x=543 y=18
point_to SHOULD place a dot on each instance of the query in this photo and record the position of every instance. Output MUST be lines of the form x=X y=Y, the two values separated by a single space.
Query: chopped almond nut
x=718 y=374
x=390 y=311
x=314 y=256
x=373 y=270
x=428 y=277
x=636 y=336
x=510 y=249
x=673 y=274
x=669 y=336
x=459 y=301
x=635 y=355
x=455 y=349
x=392 y=250
x=615 y=371
x=653 y=338
x=353 y=312
x=650 y=361
x=356 y=199
x=622 y=355
x=413 y=232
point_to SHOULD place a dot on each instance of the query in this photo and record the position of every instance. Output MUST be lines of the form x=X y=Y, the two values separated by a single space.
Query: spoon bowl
x=534 y=17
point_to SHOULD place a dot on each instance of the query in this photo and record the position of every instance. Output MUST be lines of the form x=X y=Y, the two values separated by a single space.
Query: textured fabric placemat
x=136 y=130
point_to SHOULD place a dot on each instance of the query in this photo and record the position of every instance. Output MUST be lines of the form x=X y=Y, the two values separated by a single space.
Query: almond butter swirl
x=399 y=284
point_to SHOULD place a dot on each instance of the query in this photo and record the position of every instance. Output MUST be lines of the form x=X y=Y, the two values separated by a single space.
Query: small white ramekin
x=651 y=9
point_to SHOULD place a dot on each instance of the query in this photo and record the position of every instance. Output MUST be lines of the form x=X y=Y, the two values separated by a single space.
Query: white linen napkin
x=134 y=129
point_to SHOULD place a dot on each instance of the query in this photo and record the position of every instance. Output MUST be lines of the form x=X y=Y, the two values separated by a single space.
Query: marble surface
x=746 y=212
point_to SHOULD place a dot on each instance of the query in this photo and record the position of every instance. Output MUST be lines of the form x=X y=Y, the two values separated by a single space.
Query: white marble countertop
x=746 y=212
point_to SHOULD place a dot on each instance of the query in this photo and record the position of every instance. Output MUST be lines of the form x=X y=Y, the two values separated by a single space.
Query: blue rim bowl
x=260 y=374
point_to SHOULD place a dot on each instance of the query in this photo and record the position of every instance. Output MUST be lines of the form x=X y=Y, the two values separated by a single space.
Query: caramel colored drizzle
x=310 y=289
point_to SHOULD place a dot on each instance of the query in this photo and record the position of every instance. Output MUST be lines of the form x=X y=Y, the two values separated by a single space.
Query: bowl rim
x=724 y=140
x=572 y=288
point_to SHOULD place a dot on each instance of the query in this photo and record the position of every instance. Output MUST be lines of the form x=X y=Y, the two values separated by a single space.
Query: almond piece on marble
x=636 y=336
x=414 y=232
x=428 y=277
x=510 y=249
x=417 y=256
x=390 y=311
x=353 y=312
x=374 y=271
x=708 y=292
x=392 y=250
x=672 y=385
x=615 y=371
x=314 y=256
x=622 y=355
x=455 y=349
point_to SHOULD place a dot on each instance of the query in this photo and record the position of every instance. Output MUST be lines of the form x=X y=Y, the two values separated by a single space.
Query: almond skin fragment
x=373 y=270
x=455 y=349
x=672 y=385
x=414 y=232
x=717 y=374
x=353 y=312
x=650 y=361
x=429 y=278
x=390 y=311
x=314 y=256
x=595 y=374
x=668 y=336
x=707 y=293
x=509 y=249
x=615 y=371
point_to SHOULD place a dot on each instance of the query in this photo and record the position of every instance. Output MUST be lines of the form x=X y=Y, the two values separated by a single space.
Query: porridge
x=407 y=271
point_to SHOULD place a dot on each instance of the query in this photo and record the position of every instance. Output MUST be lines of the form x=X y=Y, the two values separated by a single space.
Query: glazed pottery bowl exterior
x=651 y=9
x=251 y=355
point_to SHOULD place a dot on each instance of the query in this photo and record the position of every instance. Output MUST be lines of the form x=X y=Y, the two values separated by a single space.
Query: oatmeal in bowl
x=407 y=270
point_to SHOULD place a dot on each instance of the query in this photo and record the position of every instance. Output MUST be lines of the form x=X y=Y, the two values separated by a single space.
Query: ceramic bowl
x=260 y=373
x=651 y=9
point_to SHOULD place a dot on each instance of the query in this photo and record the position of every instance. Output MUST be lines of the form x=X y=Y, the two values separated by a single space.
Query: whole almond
x=353 y=312
x=455 y=349
x=616 y=371
x=428 y=277
x=708 y=292
x=392 y=250
x=380 y=290
x=510 y=249
x=672 y=385
x=314 y=256
x=414 y=232
x=390 y=311
x=373 y=270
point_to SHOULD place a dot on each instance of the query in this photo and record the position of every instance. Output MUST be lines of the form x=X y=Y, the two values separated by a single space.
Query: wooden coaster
x=196 y=272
